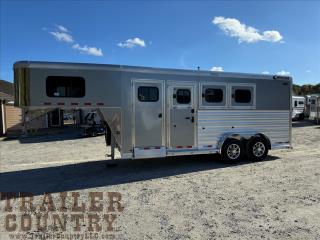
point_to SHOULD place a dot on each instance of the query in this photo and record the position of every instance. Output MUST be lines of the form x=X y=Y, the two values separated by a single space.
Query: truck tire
x=257 y=149
x=232 y=151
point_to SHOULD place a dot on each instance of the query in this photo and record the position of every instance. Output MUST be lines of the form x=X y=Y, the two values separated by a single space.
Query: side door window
x=182 y=97
x=148 y=94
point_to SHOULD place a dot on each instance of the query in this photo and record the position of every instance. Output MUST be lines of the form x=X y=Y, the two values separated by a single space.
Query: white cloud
x=62 y=37
x=62 y=34
x=88 y=50
x=265 y=72
x=234 y=28
x=62 y=28
x=283 y=73
x=217 y=69
x=132 y=42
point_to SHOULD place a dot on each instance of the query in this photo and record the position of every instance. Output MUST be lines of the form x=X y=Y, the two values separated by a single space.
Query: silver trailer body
x=315 y=108
x=156 y=112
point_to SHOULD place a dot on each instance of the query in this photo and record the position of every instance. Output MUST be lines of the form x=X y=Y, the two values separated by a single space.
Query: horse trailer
x=298 y=107
x=158 y=112
x=315 y=108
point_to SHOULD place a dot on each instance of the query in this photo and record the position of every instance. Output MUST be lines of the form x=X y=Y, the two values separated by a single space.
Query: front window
x=65 y=87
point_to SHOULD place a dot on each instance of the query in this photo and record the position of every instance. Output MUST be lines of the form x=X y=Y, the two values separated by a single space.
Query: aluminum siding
x=214 y=124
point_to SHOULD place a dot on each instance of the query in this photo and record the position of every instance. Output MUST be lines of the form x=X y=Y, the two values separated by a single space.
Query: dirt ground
x=195 y=197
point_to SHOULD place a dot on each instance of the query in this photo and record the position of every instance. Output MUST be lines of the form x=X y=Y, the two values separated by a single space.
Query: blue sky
x=245 y=36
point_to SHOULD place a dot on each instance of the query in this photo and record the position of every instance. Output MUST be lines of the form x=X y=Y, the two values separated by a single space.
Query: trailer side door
x=181 y=99
x=148 y=112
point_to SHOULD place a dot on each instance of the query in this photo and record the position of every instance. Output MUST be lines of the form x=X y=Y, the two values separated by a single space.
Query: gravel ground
x=194 y=197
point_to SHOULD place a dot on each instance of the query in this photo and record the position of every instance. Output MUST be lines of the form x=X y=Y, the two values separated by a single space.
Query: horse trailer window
x=63 y=86
x=148 y=94
x=183 y=96
x=301 y=103
x=242 y=96
x=213 y=95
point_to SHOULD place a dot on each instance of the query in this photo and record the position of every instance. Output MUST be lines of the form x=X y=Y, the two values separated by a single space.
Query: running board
x=191 y=151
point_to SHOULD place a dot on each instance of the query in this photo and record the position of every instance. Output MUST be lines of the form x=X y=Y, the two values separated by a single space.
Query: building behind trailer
x=156 y=112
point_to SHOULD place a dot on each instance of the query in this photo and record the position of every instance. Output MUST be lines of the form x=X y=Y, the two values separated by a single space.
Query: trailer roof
x=125 y=68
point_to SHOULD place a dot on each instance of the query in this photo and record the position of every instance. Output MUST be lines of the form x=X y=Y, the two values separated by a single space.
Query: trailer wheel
x=232 y=151
x=257 y=149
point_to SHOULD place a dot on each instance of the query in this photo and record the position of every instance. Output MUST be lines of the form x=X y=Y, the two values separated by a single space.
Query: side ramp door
x=181 y=122
x=148 y=115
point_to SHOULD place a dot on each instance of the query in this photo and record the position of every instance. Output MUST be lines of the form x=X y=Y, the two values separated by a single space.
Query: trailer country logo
x=65 y=215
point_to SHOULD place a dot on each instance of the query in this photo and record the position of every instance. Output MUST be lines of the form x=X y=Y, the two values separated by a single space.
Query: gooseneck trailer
x=157 y=112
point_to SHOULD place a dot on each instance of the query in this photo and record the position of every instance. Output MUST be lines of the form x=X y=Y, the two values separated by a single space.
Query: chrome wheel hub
x=259 y=149
x=233 y=151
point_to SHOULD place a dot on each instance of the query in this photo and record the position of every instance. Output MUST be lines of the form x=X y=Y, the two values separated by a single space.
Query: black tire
x=94 y=134
x=257 y=149
x=232 y=151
